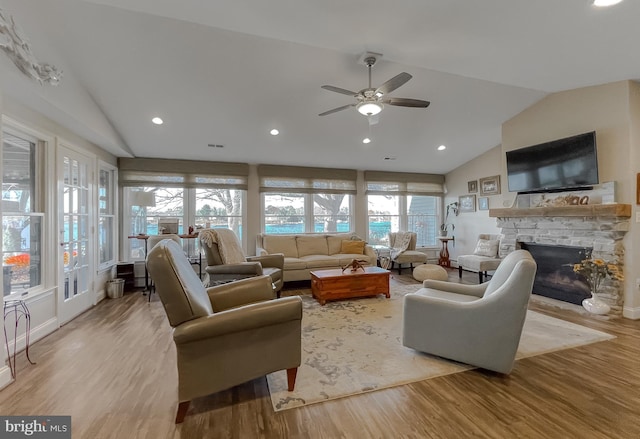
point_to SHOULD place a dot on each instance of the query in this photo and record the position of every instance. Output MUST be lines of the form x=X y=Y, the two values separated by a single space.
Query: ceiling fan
x=370 y=101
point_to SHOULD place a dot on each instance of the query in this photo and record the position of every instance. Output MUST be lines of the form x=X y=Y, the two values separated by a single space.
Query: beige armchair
x=485 y=257
x=475 y=324
x=225 y=260
x=224 y=335
x=402 y=246
x=152 y=241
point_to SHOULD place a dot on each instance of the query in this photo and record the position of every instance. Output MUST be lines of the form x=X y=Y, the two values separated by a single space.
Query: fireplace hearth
x=555 y=277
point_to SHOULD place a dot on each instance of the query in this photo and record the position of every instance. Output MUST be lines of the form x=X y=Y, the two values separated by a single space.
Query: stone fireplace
x=598 y=227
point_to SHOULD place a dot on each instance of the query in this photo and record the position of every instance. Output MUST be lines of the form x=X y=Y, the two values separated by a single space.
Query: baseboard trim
x=5 y=377
x=36 y=334
x=631 y=313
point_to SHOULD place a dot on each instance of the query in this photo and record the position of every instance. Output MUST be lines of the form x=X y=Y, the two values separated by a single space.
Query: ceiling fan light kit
x=370 y=101
x=369 y=108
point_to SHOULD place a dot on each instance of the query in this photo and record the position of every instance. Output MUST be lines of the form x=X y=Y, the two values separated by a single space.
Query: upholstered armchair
x=474 y=324
x=226 y=261
x=402 y=247
x=224 y=335
x=485 y=257
x=152 y=241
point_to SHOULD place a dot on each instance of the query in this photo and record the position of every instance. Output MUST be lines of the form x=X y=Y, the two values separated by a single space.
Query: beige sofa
x=306 y=252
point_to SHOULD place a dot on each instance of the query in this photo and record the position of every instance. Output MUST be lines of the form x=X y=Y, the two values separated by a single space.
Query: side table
x=18 y=308
x=444 y=253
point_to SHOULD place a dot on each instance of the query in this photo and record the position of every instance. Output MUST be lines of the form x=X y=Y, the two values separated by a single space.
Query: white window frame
x=45 y=202
x=112 y=193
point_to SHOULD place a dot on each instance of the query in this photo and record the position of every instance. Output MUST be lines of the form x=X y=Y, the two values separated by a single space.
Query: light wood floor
x=113 y=370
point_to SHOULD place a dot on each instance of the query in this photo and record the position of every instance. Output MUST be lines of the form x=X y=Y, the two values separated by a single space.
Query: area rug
x=354 y=346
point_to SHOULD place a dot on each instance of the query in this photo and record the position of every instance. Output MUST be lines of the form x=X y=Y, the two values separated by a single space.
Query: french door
x=75 y=219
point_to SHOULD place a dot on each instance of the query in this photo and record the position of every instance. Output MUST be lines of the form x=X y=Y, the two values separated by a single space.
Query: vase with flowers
x=594 y=271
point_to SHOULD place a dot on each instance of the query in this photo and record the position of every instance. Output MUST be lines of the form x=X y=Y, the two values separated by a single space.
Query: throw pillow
x=357 y=238
x=352 y=247
x=487 y=247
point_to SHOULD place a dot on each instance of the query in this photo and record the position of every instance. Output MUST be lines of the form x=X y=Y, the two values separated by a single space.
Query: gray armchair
x=224 y=335
x=475 y=324
x=243 y=267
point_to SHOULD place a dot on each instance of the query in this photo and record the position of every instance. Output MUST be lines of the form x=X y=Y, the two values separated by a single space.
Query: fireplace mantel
x=590 y=210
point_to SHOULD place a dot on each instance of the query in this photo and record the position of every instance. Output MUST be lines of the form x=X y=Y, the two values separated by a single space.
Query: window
x=284 y=213
x=219 y=208
x=331 y=213
x=422 y=218
x=404 y=201
x=22 y=213
x=106 y=215
x=384 y=217
x=197 y=194
x=147 y=206
x=305 y=200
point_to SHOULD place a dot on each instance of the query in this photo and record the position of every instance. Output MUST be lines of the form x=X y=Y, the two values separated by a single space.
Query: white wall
x=470 y=225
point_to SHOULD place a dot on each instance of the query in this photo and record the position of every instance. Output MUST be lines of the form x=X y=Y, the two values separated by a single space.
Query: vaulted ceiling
x=227 y=72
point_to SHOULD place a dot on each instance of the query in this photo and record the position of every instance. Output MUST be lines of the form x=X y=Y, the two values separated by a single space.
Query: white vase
x=595 y=306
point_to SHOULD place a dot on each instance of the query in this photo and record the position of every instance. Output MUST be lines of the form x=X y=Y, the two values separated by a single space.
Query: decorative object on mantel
x=594 y=272
x=472 y=186
x=16 y=46
x=602 y=194
x=490 y=185
x=467 y=203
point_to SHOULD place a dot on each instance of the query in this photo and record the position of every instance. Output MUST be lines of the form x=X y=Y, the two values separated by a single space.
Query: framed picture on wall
x=472 y=186
x=490 y=185
x=483 y=203
x=467 y=203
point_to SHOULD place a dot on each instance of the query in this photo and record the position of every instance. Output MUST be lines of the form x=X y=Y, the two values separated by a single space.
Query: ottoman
x=429 y=271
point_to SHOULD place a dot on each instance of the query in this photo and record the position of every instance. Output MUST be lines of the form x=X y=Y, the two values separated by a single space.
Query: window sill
x=31 y=296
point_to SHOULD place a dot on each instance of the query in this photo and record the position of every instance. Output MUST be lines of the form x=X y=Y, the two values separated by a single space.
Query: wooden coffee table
x=334 y=284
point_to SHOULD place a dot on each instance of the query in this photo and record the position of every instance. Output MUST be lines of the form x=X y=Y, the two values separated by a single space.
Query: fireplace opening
x=555 y=277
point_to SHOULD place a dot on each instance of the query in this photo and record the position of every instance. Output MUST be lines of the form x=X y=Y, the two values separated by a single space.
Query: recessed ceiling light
x=157 y=121
x=366 y=140
x=441 y=148
x=274 y=132
x=605 y=3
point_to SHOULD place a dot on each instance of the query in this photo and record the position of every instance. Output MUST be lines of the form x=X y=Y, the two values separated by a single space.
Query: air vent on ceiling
x=215 y=145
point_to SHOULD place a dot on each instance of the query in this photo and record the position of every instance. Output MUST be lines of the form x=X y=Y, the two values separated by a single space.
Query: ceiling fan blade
x=335 y=110
x=339 y=90
x=404 y=102
x=393 y=83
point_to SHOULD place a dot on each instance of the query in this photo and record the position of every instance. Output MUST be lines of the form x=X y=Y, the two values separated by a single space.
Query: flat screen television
x=563 y=164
